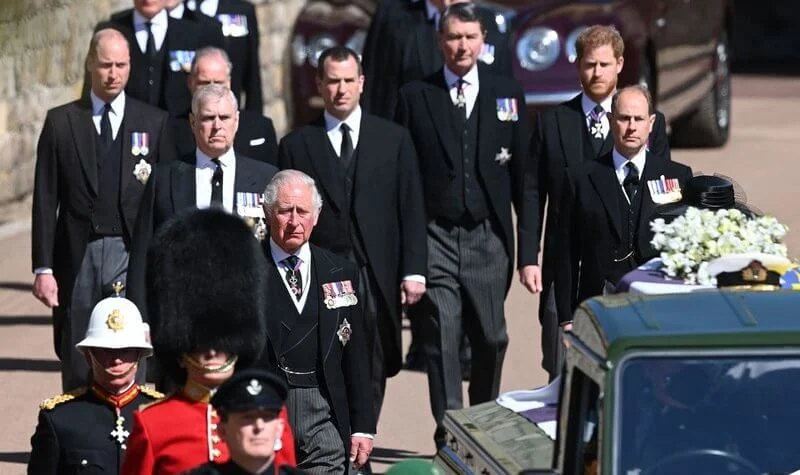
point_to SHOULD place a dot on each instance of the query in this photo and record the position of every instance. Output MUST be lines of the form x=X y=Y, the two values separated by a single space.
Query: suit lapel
x=320 y=153
x=440 y=109
x=487 y=109
x=608 y=145
x=83 y=132
x=605 y=182
x=328 y=318
x=275 y=289
x=244 y=181
x=183 y=186
x=571 y=125
x=368 y=158
x=131 y=122
x=653 y=169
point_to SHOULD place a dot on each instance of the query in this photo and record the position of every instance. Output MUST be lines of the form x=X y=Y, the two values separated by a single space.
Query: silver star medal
x=345 y=332
x=503 y=157
x=119 y=433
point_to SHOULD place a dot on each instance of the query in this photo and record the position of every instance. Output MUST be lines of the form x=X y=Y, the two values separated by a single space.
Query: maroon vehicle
x=678 y=48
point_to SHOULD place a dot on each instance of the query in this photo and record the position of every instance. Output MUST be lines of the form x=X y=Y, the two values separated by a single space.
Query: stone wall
x=43 y=44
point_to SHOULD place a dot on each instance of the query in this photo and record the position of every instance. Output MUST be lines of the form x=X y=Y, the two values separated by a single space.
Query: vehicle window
x=708 y=415
x=584 y=425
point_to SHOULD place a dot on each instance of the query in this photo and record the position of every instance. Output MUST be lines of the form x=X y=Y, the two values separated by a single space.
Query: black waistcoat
x=147 y=75
x=106 y=214
x=465 y=197
x=629 y=218
x=299 y=340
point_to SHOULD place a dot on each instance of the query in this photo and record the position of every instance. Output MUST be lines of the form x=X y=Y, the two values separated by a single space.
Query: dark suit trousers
x=552 y=343
x=467 y=269
x=104 y=262
x=374 y=308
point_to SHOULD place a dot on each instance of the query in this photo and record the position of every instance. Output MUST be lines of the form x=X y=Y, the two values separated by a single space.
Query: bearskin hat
x=206 y=281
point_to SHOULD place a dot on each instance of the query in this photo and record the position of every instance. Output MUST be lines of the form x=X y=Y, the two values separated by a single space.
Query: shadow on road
x=392 y=456
x=12 y=320
x=21 y=286
x=15 y=457
x=22 y=364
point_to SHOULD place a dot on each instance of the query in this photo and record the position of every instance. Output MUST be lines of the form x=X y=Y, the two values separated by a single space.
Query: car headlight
x=356 y=42
x=538 y=48
x=299 y=50
x=569 y=48
x=317 y=45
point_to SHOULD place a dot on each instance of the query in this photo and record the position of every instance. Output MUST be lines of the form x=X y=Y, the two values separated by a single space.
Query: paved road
x=762 y=155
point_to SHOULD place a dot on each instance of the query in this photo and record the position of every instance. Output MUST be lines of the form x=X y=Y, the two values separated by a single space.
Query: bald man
x=93 y=160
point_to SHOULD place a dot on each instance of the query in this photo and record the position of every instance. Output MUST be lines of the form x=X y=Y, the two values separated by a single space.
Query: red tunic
x=178 y=433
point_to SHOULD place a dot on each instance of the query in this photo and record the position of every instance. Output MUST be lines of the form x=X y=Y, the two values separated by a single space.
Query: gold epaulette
x=151 y=392
x=148 y=405
x=50 y=403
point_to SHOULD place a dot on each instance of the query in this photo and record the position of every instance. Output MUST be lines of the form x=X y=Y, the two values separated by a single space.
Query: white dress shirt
x=332 y=126
x=471 y=86
x=177 y=12
x=587 y=104
x=204 y=171
x=304 y=254
x=208 y=7
x=158 y=27
x=115 y=115
x=620 y=166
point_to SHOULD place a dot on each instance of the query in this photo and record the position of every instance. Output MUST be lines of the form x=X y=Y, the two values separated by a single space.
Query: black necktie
x=150 y=49
x=216 y=184
x=346 y=153
x=293 y=277
x=631 y=182
x=106 y=135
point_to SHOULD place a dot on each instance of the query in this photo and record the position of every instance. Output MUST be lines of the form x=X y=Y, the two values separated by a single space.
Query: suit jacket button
x=150 y=82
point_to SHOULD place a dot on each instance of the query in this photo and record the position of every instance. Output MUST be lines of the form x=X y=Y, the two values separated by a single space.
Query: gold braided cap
x=50 y=403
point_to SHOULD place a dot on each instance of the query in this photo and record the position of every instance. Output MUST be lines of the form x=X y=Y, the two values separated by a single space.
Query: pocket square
x=257 y=141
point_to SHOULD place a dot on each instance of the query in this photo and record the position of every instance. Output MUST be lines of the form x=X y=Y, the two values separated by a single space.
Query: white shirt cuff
x=415 y=278
x=43 y=270
x=362 y=434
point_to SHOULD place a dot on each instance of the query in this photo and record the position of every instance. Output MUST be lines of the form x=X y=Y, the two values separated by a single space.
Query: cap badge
x=115 y=321
x=254 y=388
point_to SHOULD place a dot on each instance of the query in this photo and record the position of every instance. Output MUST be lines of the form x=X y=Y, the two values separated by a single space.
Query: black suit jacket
x=181 y=35
x=345 y=367
x=74 y=437
x=255 y=137
x=424 y=108
x=66 y=188
x=172 y=188
x=402 y=46
x=388 y=207
x=557 y=145
x=590 y=228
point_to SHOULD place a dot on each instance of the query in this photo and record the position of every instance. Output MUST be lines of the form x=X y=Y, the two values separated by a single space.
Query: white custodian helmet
x=116 y=323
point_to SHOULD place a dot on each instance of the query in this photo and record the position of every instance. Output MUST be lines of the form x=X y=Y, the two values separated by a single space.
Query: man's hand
x=411 y=291
x=360 y=448
x=566 y=327
x=45 y=289
x=531 y=277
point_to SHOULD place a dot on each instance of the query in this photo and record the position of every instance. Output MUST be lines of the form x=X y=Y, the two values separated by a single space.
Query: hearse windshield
x=704 y=414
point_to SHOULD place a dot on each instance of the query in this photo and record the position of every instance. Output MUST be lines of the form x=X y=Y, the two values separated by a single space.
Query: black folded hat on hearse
x=712 y=192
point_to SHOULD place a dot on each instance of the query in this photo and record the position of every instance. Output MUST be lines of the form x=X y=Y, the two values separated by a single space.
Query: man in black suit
x=604 y=228
x=367 y=171
x=162 y=49
x=93 y=160
x=237 y=20
x=402 y=46
x=315 y=333
x=212 y=175
x=566 y=136
x=255 y=136
x=471 y=133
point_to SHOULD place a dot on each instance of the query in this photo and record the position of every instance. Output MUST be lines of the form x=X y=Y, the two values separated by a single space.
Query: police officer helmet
x=116 y=323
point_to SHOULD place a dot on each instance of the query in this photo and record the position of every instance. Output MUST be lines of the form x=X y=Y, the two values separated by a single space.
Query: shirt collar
x=227 y=159
x=117 y=104
x=587 y=104
x=353 y=121
x=638 y=160
x=278 y=254
x=430 y=10
x=160 y=19
x=471 y=78
x=116 y=400
x=177 y=12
